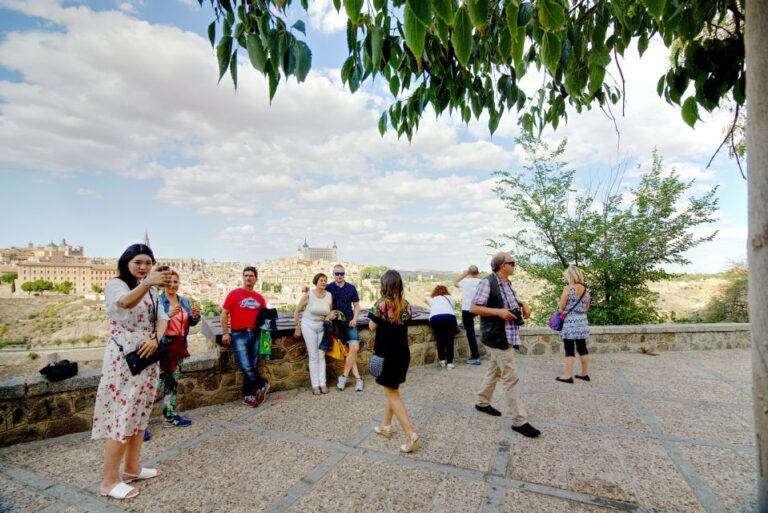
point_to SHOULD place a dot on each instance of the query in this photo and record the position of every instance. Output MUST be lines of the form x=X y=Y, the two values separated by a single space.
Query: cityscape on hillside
x=281 y=280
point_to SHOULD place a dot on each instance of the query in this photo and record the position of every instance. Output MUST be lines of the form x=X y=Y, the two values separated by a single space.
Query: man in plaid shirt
x=494 y=302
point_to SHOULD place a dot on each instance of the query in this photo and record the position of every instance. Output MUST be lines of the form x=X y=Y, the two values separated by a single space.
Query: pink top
x=177 y=325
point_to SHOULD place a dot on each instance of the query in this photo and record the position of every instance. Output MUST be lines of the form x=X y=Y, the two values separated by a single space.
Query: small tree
x=97 y=289
x=209 y=308
x=65 y=287
x=28 y=287
x=8 y=277
x=620 y=248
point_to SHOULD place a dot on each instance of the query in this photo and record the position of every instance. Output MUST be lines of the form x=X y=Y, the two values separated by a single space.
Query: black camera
x=164 y=268
x=518 y=313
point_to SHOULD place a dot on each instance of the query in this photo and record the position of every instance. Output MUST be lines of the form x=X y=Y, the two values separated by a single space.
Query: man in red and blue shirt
x=238 y=327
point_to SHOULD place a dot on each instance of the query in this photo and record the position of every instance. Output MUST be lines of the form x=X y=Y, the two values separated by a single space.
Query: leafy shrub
x=33 y=356
x=732 y=303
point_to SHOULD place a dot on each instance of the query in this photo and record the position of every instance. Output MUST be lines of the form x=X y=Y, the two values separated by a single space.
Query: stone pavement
x=671 y=432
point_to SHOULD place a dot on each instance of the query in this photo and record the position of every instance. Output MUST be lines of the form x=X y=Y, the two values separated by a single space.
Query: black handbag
x=58 y=371
x=136 y=363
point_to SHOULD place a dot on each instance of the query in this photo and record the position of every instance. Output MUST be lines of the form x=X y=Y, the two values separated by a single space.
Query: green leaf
x=422 y=10
x=550 y=49
x=462 y=36
x=233 y=68
x=415 y=33
x=518 y=45
x=354 y=79
x=337 y=5
x=525 y=14
x=690 y=111
x=479 y=10
x=223 y=54
x=642 y=44
x=493 y=121
x=351 y=36
x=274 y=47
x=212 y=33
x=739 y=90
x=346 y=69
x=383 y=123
x=303 y=60
x=379 y=4
x=660 y=85
x=353 y=8
x=274 y=79
x=299 y=25
x=596 y=77
x=263 y=22
x=551 y=14
x=505 y=43
x=511 y=11
x=445 y=10
x=377 y=43
x=394 y=85
x=655 y=7
x=256 y=53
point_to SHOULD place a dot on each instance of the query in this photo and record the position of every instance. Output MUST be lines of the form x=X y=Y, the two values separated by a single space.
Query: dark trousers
x=468 y=319
x=245 y=345
x=444 y=327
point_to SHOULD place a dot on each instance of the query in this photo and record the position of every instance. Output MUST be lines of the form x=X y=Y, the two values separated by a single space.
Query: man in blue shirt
x=345 y=298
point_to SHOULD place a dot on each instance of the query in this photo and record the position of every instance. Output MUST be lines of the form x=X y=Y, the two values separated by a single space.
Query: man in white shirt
x=468 y=282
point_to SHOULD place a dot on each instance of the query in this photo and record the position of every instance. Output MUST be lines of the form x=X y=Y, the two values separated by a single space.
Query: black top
x=391 y=343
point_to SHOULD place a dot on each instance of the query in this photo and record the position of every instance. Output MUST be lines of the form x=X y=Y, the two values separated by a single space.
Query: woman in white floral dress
x=124 y=401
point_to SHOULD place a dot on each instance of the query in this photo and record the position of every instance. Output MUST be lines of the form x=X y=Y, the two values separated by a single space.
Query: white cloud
x=88 y=193
x=323 y=17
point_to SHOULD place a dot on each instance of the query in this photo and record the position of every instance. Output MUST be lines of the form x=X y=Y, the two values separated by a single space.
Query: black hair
x=129 y=254
x=317 y=277
x=251 y=269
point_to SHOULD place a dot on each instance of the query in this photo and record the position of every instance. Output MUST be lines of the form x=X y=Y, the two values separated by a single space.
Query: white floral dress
x=124 y=401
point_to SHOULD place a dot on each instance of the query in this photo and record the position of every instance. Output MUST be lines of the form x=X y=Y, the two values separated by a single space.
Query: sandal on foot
x=120 y=491
x=414 y=442
x=385 y=431
x=146 y=473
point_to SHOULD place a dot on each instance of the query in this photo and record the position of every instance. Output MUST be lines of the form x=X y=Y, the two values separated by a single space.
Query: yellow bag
x=338 y=350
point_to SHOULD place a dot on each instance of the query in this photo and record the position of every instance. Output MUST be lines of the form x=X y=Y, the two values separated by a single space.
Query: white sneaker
x=451 y=366
x=342 y=382
x=358 y=385
x=442 y=364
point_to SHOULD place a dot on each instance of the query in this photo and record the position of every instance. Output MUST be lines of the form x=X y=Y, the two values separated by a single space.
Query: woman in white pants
x=316 y=306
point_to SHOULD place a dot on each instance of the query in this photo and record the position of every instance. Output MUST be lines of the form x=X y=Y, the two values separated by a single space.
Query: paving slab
x=667 y=433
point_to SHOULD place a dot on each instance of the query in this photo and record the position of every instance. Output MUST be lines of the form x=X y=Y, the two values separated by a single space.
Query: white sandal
x=120 y=491
x=146 y=473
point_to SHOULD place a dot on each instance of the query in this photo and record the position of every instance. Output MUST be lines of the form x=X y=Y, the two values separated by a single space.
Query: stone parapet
x=33 y=408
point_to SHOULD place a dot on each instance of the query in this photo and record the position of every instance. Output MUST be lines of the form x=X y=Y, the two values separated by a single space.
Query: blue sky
x=111 y=122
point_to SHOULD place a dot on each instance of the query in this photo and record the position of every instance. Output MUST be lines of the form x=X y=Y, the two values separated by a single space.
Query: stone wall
x=32 y=408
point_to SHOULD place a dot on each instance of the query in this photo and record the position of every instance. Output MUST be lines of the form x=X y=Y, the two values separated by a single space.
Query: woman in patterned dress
x=388 y=319
x=124 y=401
x=575 y=328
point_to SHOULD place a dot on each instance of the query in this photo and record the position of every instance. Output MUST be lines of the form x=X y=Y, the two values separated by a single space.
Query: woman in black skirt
x=389 y=318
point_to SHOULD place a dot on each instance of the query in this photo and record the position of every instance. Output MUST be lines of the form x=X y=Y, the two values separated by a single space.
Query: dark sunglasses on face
x=339 y=274
x=510 y=262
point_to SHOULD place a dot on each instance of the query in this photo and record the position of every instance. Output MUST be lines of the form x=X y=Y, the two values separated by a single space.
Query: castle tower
x=146 y=238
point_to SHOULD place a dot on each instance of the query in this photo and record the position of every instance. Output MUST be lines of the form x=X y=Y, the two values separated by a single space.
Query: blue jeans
x=245 y=345
x=468 y=319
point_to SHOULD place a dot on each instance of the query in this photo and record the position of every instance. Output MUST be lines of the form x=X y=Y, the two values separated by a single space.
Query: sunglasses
x=510 y=262
x=339 y=274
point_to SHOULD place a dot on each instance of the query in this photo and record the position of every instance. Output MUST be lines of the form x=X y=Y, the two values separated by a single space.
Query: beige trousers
x=502 y=365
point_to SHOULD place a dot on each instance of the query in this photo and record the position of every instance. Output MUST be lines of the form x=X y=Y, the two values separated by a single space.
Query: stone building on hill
x=305 y=252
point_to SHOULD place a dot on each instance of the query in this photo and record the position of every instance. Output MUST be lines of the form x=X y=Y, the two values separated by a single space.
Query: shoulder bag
x=557 y=319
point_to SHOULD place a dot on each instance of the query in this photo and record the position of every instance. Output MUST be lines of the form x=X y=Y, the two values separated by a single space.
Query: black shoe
x=561 y=380
x=527 y=430
x=585 y=378
x=490 y=410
